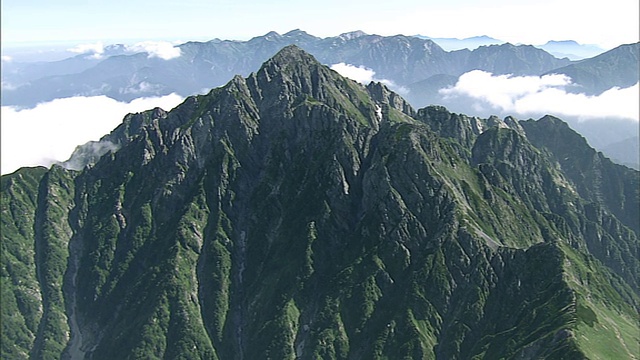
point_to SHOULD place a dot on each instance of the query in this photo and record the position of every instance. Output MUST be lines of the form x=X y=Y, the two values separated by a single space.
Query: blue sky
x=607 y=23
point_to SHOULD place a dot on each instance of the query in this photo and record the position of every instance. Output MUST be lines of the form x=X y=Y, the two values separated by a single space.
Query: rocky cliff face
x=297 y=214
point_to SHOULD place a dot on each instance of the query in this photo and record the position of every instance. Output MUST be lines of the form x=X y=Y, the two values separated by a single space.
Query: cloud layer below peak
x=154 y=49
x=535 y=95
x=50 y=132
x=364 y=76
x=160 y=49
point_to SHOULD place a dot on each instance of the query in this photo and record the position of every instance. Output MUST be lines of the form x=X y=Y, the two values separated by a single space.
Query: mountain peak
x=291 y=198
x=292 y=54
x=293 y=82
x=562 y=42
x=296 y=32
x=482 y=37
x=271 y=35
x=352 y=35
x=299 y=36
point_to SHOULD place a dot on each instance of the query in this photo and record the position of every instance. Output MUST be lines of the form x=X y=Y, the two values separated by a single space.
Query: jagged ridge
x=296 y=213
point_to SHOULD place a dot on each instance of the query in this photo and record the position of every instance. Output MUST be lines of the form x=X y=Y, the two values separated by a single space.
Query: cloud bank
x=154 y=49
x=50 y=132
x=539 y=95
x=360 y=74
x=160 y=49
x=364 y=76
x=93 y=50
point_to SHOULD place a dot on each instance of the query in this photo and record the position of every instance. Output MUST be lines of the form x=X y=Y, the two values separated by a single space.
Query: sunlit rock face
x=295 y=213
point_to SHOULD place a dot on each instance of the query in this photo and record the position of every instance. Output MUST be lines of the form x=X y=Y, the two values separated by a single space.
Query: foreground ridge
x=297 y=214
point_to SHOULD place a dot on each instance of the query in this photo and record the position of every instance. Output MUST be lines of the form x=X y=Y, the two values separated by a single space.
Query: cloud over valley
x=160 y=49
x=364 y=76
x=155 y=49
x=539 y=95
x=50 y=132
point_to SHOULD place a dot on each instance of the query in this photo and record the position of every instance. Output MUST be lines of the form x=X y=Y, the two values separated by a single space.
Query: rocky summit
x=298 y=214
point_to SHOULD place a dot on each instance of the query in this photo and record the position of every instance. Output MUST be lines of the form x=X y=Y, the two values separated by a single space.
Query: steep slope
x=21 y=298
x=35 y=235
x=297 y=214
x=512 y=59
x=598 y=179
x=616 y=67
x=620 y=153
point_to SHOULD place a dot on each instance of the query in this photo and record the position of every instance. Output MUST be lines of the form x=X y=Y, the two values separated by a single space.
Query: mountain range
x=294 y=213
x=203 y=65
x=404 y=60
x=416 y=67
x=571 y=49
x=470 y=43
x=615 y=68
x=561 y=49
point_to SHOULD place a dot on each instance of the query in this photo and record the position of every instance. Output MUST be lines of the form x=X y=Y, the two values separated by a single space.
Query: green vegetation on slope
x=297 y=214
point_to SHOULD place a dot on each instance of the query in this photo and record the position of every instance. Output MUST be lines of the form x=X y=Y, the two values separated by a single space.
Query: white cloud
x=6 y=58
x=361 y=74
x=50 y=132
x=142 y=87
x=534 y=95
x=5 y=85
x=615 y=102
x=93 y=50
x=160 y=49
x=364 y=76
x=92 y=149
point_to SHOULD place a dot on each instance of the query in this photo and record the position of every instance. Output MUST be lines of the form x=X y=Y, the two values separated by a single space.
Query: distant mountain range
x=619 y=67
x=416 y=67
x=405 y=61
x=560 y=49
x=202 y=65
x=615 y=68
x=297 y=214
x=571 y=49
x=470 y=43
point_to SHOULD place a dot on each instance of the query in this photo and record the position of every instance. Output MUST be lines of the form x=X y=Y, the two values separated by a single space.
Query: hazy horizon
x=53 y=51
x=74 y=21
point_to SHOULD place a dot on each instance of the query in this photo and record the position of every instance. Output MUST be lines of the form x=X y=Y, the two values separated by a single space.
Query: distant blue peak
x=561 y=42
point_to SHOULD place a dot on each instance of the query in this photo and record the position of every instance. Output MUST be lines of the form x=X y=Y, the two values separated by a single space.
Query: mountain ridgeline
x=298 y=214
x=416 y=67
x=204 y=65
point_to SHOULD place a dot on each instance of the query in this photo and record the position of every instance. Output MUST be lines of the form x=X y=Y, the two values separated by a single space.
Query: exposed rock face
x=297 y=214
